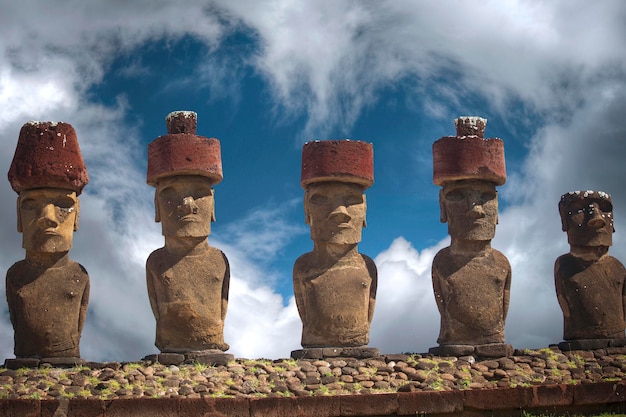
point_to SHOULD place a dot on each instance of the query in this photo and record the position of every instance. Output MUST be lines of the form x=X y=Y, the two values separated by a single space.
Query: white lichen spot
x=64 y=140
x=185 y=113
x=470 y=121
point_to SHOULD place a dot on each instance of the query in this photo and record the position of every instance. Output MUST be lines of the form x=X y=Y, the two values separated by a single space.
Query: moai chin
x=187 y=279
x=590 y=284
x=47 y=293
x=335 y=285
x=471 y=280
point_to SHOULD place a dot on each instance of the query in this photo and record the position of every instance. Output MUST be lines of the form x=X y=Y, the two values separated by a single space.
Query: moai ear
x=157 y=213
x=365 y=207
x=213 y=209
x=307 y=216
x=19 y=216
x=443 y=215
x=564 y=225
x=77 y=207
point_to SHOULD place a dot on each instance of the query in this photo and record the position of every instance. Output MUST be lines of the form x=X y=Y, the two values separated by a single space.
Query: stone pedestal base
x=491 y=350
x=207 y=357
x=591 y=344
x=60 y=362
x=362 y=352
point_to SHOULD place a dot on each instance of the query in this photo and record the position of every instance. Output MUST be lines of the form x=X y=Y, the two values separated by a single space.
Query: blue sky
x=266 y=76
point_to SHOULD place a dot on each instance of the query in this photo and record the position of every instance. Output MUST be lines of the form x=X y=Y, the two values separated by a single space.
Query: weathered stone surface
x=338 y=160
x=328 y=352
x=590 y=284
x=187 y=279
x=182 y=152
x=590 y=344
x=490 y=350
x=471 y=281
x=18 y=363
x=214 y=358
x=468 y=156
x=335 y=285
x=47 y=293
x=48 y=155
x=430 y=402
x=493 y=350
x=452 y=350
x=369 y=405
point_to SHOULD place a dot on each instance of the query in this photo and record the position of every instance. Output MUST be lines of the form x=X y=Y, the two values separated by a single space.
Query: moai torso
x=47 y=308
x=336 y=305
x=590 y=284
x=189 y=297
x=472 y=294
x=188 y=280
x=592 y=295
x=471 y=280
x=334 y=285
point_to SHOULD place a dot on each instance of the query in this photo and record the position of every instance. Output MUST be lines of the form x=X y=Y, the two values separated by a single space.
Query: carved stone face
x=335 y=211
x=47 y=218
x=185 y=206
x=588 y=220
x=470 y=208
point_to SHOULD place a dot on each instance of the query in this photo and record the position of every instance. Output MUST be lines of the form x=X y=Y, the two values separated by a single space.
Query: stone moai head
x=184 y=167
x=469 y=168
x=587 y=217
x=335 y=173
x=48 y=173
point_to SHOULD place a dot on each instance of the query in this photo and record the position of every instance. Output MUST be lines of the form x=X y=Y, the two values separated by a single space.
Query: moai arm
x=507 y=293
x=298 y=289
x=560 y=291
x=225 y=287
x=82 y=316
x=10 y=291
x=624 y=298
x=151 y=291
x=373 y=273
x=437 y=278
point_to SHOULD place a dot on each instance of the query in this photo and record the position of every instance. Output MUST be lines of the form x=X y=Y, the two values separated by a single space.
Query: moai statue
x=187 y=279
x=335 y=285
x=590 y=284
x=471 y=280
x=47 y=293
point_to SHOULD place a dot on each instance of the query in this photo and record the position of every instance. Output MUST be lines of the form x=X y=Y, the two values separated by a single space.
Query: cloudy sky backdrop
x=265 y=76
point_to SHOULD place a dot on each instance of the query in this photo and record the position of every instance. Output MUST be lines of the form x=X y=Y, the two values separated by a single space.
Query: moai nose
x=188 y=206
x=48 y=217
x=476 y=212
x=341 y=214
x=596 y=220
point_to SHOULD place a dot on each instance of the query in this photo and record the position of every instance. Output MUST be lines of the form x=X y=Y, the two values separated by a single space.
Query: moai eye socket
x=455 y=195
x=318 y=199
x=65 y=203
x=28 y=204
x=486 y=196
